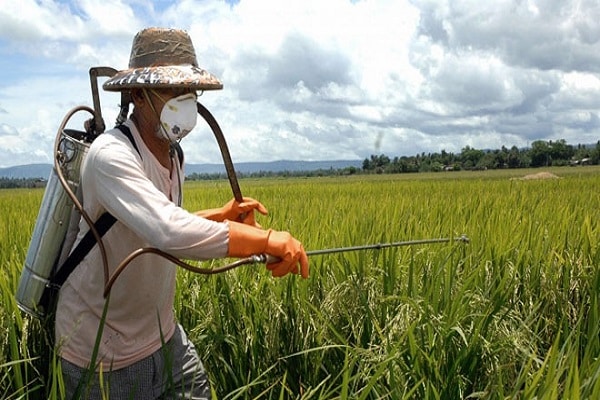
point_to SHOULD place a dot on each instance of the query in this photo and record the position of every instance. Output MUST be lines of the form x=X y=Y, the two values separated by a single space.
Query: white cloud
x=312 y=79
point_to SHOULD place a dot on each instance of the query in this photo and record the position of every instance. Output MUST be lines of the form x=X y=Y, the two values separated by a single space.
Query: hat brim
x=163 y=77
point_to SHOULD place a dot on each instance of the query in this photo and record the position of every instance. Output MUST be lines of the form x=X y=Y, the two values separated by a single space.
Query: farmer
x=143 y=352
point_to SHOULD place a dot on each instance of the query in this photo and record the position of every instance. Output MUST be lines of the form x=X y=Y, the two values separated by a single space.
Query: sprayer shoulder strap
x=125 y=130
x=102 y=225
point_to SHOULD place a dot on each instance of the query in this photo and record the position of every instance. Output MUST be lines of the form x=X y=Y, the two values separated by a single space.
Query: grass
x=512 y=315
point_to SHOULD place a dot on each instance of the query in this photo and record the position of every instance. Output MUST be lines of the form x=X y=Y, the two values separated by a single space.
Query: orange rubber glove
x=234 y=210
x=245 y=240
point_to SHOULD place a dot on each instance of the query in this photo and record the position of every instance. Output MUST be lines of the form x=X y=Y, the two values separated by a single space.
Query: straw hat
x=163 y=58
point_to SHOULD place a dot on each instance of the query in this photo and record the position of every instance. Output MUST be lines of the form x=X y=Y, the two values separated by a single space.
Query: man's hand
x=245 y=241
x=291 y=254
x=236 y=211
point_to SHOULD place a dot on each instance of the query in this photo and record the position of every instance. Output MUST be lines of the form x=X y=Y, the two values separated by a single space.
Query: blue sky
x=320 y=80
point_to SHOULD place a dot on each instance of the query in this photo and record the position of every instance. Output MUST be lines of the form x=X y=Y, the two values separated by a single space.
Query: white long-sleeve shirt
x=142 y=195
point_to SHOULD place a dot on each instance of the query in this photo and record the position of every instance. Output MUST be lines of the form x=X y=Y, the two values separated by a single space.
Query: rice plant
x=511 y=315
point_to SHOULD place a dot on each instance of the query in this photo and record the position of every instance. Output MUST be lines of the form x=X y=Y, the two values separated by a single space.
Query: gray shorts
x=173 y=372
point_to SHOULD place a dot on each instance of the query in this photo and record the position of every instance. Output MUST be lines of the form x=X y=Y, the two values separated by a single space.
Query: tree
x=514 y=158
x=376 y=163
x=560 y=152
x=470 y=157
x=540 y=154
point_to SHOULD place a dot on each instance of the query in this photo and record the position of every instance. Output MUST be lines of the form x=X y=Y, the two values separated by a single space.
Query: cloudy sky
x=320 y=79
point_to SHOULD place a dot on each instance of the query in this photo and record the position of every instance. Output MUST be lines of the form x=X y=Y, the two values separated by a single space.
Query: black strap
x=125 y=130
x=179 y=151
x=102 y=225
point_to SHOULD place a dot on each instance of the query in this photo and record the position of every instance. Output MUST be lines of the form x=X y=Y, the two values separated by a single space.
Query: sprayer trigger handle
x=242 y=217
x=266 y=259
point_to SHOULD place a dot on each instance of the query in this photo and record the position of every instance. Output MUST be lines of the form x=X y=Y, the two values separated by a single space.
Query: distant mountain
x=29 y=171
x=42 y=171
x=273 y=166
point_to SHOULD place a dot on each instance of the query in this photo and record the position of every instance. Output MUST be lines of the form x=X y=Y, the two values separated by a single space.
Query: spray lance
x=268 y=259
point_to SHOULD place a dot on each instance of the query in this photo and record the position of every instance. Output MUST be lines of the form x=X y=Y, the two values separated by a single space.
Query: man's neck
x=159 y=147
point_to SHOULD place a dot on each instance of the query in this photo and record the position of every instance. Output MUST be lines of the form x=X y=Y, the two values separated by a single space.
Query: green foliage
x=541 y=154
x=513 y=314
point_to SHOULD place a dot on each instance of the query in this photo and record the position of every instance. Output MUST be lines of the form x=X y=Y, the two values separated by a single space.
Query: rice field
x=514 y=314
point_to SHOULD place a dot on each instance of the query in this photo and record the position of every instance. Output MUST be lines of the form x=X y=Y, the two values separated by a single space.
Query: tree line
x=540 y=154
x=16 y=183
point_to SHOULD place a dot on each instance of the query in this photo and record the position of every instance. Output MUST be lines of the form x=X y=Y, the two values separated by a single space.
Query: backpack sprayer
x=57 y=223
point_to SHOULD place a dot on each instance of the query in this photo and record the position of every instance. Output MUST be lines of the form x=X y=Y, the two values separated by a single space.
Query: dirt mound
x=539 y=175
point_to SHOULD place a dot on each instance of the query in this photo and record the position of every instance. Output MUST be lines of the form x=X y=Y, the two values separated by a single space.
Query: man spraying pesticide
x=111 y=231
x=134 y=174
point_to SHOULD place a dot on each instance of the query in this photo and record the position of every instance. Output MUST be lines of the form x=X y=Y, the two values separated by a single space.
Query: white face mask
x=178 y=116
